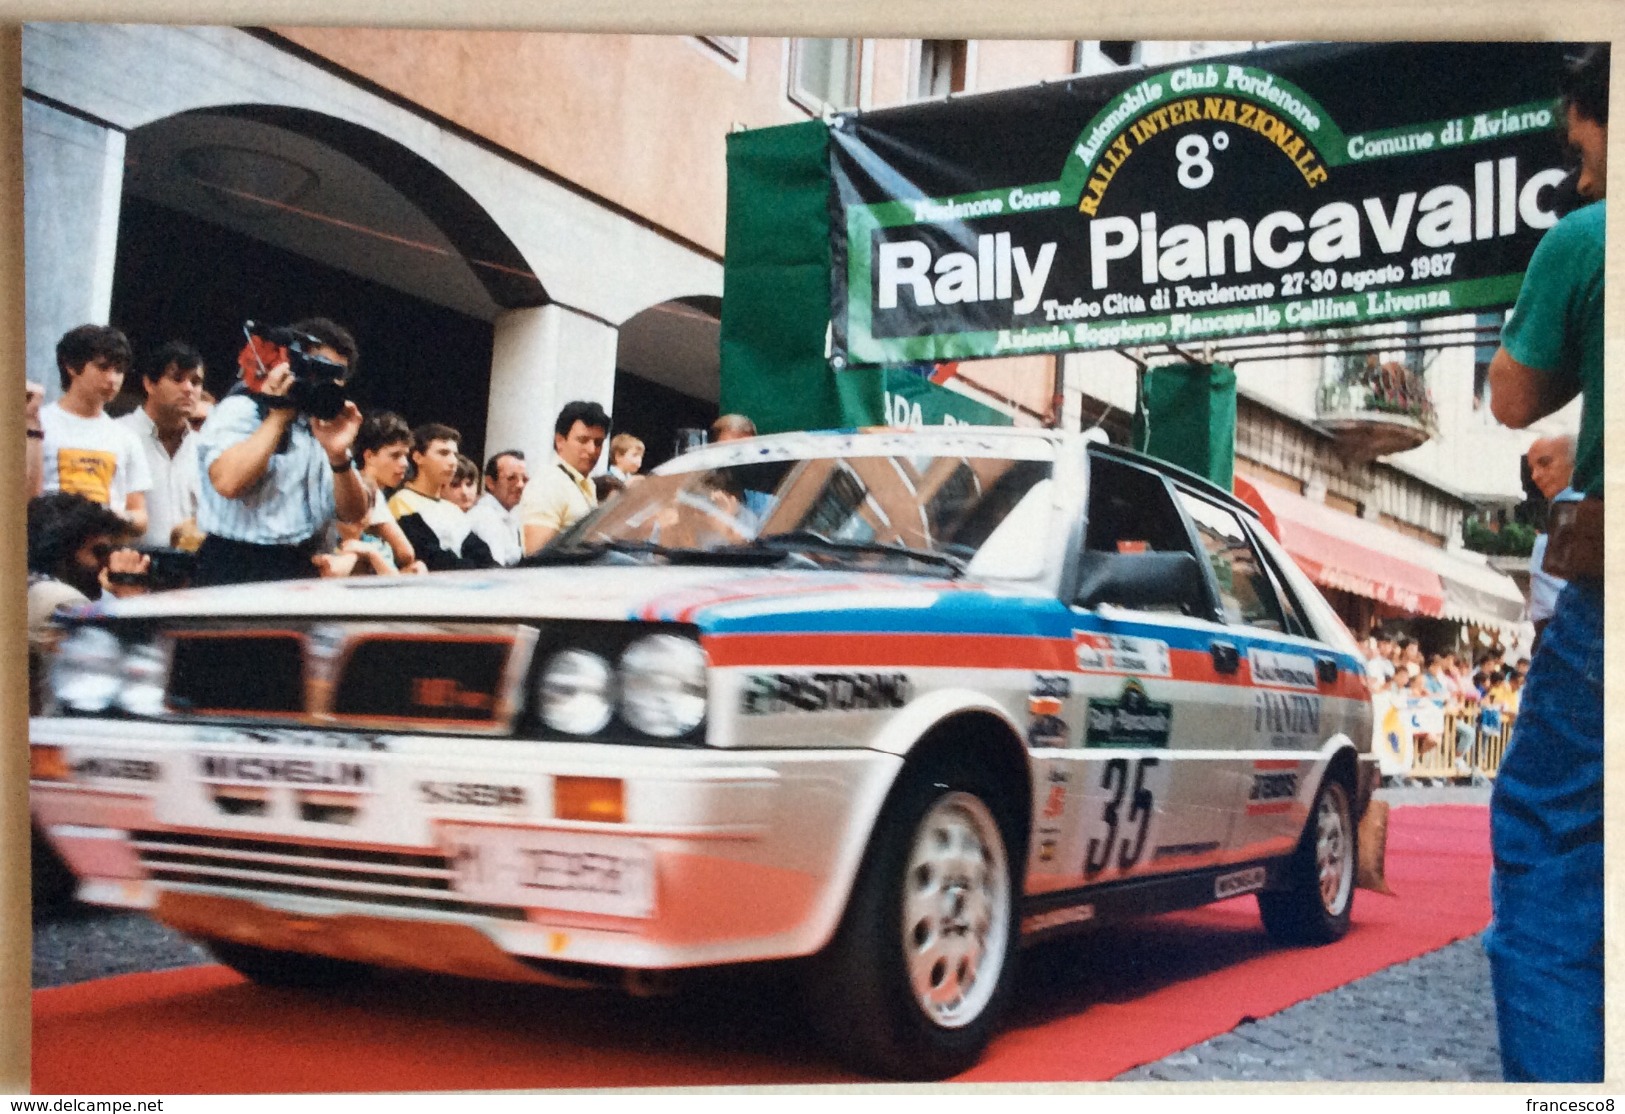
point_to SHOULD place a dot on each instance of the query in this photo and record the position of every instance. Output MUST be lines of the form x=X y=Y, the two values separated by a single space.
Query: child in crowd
x=464 y=488
x=625 y=457
x=361 y=550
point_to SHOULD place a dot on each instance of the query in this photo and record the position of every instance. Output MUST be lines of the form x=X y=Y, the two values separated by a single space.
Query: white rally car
x=888 y=703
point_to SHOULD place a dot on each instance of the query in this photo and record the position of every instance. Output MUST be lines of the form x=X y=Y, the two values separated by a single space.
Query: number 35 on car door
x=1122 y=796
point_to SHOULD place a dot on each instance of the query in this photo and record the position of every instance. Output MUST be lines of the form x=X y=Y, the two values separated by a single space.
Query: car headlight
x=88 y=671
x=576 y=692
x=145 y=671
x=663 y=685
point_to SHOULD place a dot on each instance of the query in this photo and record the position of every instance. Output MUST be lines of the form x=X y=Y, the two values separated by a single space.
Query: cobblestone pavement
x=1432 y=1018
x=1429 y=1019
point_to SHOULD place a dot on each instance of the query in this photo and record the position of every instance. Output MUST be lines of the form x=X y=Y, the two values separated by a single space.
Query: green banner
x=1286 y=189
x=913 y=399
x=1187 y=416
x=776 y=288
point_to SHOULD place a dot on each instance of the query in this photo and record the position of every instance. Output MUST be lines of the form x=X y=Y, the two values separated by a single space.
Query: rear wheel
x=294 y=969
x=912 y=983
x=1315 y=906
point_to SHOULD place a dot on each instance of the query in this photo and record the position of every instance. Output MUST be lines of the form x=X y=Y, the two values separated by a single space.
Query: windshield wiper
x=810 y=539
x=587 y=551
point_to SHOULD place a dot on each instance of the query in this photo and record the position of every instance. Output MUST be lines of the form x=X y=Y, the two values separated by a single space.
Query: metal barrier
x=1470 y=747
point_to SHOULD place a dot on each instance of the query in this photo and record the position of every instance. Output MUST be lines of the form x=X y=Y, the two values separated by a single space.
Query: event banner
x=1282 y=190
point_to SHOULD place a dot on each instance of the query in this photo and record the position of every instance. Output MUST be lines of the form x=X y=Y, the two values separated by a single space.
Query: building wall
x=639 y=120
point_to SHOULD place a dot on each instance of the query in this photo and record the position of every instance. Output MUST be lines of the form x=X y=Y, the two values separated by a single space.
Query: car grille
x=237 y=673
x=380 y=675
x=444 y=679
x=390 y=879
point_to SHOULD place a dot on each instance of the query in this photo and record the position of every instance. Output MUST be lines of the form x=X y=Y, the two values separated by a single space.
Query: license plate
x=582 y=873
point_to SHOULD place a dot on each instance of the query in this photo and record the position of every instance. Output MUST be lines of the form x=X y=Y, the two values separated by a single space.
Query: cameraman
x=275 y=477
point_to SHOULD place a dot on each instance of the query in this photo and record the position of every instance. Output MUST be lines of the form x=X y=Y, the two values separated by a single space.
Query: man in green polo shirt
x=1546 y=824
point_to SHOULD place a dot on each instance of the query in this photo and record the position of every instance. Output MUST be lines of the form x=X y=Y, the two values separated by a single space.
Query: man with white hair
x=1551 y=463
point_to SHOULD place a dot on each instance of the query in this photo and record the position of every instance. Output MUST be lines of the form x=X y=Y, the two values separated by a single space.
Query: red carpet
x=1087 y=1009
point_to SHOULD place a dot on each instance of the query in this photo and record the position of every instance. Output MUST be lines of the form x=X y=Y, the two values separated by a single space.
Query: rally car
x=886 y=704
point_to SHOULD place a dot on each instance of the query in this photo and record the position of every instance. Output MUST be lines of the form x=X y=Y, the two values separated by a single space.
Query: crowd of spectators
x=1417 y=697
x=263 y=484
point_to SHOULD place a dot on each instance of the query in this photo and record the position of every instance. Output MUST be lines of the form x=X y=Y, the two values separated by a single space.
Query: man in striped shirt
x=274 y=477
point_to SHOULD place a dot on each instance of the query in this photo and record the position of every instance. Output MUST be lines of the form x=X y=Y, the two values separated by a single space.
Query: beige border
x=1137 y=19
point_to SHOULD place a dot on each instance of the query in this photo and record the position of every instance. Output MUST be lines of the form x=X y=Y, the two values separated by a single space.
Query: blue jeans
x=1546 y=942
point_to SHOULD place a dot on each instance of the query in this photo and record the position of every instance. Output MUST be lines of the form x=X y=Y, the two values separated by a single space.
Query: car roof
x=812 y=439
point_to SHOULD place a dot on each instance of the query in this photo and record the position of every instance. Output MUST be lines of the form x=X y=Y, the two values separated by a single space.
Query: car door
x=1291 y=692
x=1143 y=785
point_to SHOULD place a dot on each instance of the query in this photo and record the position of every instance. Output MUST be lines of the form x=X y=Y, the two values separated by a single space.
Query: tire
x=1315 y=906
x=289 y=969
x=894 y=994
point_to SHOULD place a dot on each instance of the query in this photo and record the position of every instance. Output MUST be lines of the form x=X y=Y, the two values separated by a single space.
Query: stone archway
x=667 y=372
x=271 y=212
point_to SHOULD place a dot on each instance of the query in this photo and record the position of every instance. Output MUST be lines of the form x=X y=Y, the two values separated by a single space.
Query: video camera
x=318 y=384
x=167 y=568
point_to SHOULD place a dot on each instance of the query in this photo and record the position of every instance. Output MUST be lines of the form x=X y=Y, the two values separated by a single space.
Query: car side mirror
x=1142 y=581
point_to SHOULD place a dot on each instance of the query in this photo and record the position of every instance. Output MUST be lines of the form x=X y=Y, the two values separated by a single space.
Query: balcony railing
x=1378 y=410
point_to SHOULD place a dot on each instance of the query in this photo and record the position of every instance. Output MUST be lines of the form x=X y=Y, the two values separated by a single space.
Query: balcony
x=1376 y=411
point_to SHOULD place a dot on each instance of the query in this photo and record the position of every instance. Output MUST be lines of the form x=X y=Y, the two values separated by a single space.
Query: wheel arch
x=981 y=731
x=1341 y=760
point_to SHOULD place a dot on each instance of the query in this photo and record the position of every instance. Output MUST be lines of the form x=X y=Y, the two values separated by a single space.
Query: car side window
x=1291 y=612
x=1245 y=589
x=1130 y=511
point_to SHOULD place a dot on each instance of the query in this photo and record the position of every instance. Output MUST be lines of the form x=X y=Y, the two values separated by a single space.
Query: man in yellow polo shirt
x=560 y=494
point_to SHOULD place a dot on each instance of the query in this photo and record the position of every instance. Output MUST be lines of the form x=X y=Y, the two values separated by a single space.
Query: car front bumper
x=455 y=854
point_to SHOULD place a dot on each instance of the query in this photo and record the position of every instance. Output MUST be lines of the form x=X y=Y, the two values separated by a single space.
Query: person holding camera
x=76 y=553
x=274 y=474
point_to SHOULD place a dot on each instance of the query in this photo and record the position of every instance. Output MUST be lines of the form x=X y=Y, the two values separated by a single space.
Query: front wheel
x=913 y=981
x=1315 y=906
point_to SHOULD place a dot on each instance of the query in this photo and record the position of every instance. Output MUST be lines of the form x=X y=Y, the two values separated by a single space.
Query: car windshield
x=943 y=514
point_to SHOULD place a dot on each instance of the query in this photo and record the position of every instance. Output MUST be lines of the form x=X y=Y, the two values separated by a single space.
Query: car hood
x=709 y=597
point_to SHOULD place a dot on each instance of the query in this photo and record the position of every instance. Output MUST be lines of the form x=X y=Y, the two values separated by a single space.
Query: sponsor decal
x=1047 y=728
x=122 y=769
x=1052 y=685
x=1045 y=704
x=1293 y=671
x=1049 y=840
x=1184 y=850
x=470 y=793
x=1288 y=718
x=319 y=772
x=771 y=693
x=1238 y=882
x=1116 y=653
x=1272 y=791
x=1055 y=803
x=1055 y=918
x=1132 y=720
